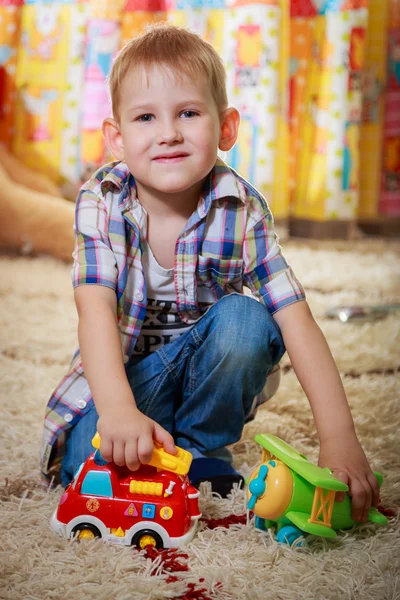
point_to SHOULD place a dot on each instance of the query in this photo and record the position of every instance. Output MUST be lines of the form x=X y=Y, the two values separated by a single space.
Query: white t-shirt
x=162 y=323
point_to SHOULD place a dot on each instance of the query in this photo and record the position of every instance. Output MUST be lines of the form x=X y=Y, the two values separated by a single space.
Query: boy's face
x=169 y=130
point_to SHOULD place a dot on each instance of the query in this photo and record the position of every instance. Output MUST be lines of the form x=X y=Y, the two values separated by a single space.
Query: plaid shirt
x=228 y=242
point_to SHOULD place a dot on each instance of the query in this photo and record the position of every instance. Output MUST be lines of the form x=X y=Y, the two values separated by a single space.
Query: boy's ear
x=113 y=137
x=230 y=120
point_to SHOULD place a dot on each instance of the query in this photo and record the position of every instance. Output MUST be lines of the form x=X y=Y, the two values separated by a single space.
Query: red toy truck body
x=147 y=506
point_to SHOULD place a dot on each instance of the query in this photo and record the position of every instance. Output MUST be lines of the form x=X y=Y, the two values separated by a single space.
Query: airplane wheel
x=289 y=534
x=260 y=524
x=263 y=524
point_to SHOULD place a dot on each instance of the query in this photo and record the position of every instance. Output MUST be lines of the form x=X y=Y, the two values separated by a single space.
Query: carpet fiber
x=38 y=334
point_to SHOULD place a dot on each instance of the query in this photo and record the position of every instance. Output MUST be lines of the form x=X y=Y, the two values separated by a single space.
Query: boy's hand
x=127 y=437
x=348 y=463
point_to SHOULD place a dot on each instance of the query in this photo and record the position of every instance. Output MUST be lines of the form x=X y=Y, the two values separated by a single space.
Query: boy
x=166 y=238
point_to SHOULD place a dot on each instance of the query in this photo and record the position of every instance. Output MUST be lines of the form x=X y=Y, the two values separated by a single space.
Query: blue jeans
x=201 y=386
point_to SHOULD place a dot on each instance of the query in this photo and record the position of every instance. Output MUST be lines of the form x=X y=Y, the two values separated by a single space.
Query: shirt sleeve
x=94 y=259
x=266 y=271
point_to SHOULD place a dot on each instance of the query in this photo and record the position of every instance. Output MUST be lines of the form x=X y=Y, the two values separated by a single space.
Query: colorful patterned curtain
x=311 y=78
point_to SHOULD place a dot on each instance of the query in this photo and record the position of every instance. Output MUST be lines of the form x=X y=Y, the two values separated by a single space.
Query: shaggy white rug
x=38 y=334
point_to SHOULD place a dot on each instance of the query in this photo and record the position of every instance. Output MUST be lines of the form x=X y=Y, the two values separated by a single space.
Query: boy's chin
x=172 y=186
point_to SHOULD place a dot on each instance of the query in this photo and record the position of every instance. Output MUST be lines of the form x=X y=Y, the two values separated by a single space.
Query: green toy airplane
x=289 y=492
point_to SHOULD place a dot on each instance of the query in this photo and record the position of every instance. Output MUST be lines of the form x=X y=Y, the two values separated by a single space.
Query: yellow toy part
x=153 y=488
x=96 y=441
x=322 y=508
x=86 y=534
x=275 y=498
x=178 y=463
x=118 y=532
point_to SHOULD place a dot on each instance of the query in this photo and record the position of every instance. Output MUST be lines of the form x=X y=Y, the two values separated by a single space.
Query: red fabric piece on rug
x=171 y=558
x=225 y=521
x=387 y=512
x=194 y=594
x=171 y=562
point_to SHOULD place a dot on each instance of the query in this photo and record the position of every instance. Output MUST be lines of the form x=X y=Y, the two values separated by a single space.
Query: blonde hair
x=177 y=48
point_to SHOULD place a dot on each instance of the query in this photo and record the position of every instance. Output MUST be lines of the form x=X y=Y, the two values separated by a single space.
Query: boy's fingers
x=106 y=449
x=368 y=499
x=131 y=456
x=344 y=478
x=163 y=437
x=367 y=505
x=119 y=453
x=358 y=501
x=372 y=480
x=145 y=447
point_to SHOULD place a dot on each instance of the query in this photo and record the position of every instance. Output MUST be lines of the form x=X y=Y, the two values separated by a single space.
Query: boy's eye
x=188 y=114
x=145 y=118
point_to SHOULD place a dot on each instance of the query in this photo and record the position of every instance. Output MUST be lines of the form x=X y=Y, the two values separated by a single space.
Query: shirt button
x=138 y=296
x=81 y=403
x=68 y=417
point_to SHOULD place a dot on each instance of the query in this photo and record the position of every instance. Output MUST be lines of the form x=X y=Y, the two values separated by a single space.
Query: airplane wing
x=322 y=478
x=301 y=521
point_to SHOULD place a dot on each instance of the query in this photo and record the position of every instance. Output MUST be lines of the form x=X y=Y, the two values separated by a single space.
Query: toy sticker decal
x=149 y=511
x=92 y=505
x=166 y=513
x=131 y=511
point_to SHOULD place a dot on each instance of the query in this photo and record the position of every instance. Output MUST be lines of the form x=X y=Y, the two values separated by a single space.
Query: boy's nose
x=169 y=133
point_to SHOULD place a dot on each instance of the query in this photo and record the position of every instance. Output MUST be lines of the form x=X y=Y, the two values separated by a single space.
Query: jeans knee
x=246 y=330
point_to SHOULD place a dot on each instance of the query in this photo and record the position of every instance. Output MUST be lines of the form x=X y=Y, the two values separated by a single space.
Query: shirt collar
x=222 y=182
x=118 y=178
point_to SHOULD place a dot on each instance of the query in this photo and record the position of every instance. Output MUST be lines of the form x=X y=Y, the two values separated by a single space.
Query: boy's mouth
x=171 y=158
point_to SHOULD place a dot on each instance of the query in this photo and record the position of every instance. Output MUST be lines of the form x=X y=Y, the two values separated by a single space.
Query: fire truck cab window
x=97 y=483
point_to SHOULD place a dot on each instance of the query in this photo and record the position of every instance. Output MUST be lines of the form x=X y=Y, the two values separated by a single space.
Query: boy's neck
x=161 y=204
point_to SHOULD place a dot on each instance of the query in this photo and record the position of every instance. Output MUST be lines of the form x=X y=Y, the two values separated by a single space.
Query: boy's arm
x=126 y=434
x=316 y=370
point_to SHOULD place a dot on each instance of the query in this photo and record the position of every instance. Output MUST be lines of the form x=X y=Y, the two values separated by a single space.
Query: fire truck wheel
x=85 y=531
x=147 y=537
